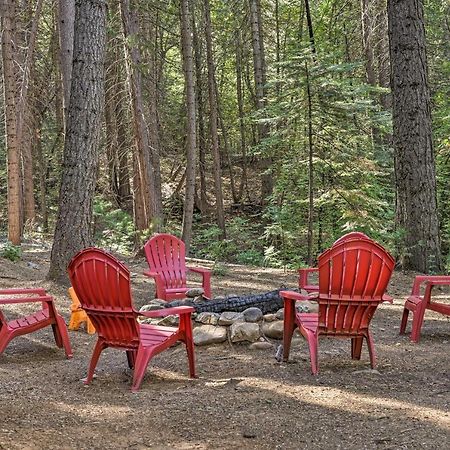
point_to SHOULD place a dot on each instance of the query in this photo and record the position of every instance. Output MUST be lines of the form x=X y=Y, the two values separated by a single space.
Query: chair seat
x=33 y=319
x=309 y=321
x=153 y=335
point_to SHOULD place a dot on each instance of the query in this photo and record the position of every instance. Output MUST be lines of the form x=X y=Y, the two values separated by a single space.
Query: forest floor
x=242 y=398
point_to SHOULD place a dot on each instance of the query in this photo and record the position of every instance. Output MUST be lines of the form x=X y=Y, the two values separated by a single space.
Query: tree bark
x=203 y=203
x=259 y=68
x=214 y=117
x=12 y=143
x=243 y=188
x=81 y=149
x=25 y=119
x=150 y=199
x=66 y=12
x=412 y=137
x=191 y=125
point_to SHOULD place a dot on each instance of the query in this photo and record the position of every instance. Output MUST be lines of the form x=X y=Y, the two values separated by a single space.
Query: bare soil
x=242 y=399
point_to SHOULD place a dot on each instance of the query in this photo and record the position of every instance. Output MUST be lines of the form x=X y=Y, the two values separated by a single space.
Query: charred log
x=267 y=302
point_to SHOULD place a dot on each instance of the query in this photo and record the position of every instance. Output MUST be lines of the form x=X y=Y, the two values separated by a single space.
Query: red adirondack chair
x=417 y=303
x=303 y=274
x=166 y=258
x=44 y=317
x=102 y=285
x=353 y=276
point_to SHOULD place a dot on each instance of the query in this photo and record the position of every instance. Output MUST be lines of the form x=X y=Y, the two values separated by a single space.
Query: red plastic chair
x=44 y=317
x=303 y=274
x=102 y=285
x=353 y=276
x=166 y=258
x=417 y=303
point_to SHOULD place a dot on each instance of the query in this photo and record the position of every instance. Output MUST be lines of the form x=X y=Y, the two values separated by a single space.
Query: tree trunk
x=12 y=144
x=151 y=201
x=259 y=69
x=81 y=149
x=66 y=18
x=243 y=188
x=310 y=170
x=191 y=132
x=412 y=137
x=25 y=119
x=203 y=203
x=214 y=117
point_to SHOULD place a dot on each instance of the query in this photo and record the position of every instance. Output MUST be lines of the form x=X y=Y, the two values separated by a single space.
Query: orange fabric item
x=78 y=315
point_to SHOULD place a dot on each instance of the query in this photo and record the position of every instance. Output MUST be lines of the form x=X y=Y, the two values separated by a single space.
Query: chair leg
x=189 y=341
x=357 y=343
x=63 y=336
x=141 y=363
x=99 y=347
x=5 y=337
x=313 y=344
x=131 y=358
x=372 y=353
x=404 y=321
x=417 y=323
x=288 y=328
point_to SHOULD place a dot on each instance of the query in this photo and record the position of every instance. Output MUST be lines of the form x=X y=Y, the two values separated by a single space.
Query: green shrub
x=114 y=228
x=11 y=252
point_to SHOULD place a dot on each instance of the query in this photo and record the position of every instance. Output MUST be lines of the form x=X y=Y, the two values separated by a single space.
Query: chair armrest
x=438 y=280
x=308 y=270
x=11 y=301
x=38 y=291
x=303 y=275
x=419 y=279
x=387 y=298
x=291 y=295
x=149 y=273
x=177 y=310
x=201 y=270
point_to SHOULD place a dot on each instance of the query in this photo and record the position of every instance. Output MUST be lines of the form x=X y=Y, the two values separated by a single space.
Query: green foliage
x=10 y=251
x=352 y=187
x=219 y=270
x=113 y=228
x=241 y=246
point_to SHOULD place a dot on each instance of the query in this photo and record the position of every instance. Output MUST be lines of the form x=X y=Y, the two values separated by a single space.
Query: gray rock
x=253 y=315
x=302 y=307
x=280 y=314
x=229 y=317
x=149 y=320
x=209 y=334
x=244 y=331
x=194 y=292
x=264 y=345
x=169 y=321
x=270 y=317
x=207 y=318
x=153 y=305
x=273 y=330
x=32 y=265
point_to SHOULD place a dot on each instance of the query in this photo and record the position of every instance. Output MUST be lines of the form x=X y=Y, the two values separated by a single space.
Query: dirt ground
x=243 y=399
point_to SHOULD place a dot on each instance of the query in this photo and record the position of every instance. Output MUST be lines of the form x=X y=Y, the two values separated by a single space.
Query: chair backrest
x=166 y=255
x=353 y=277
x=351 y=235
x=102 y=284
